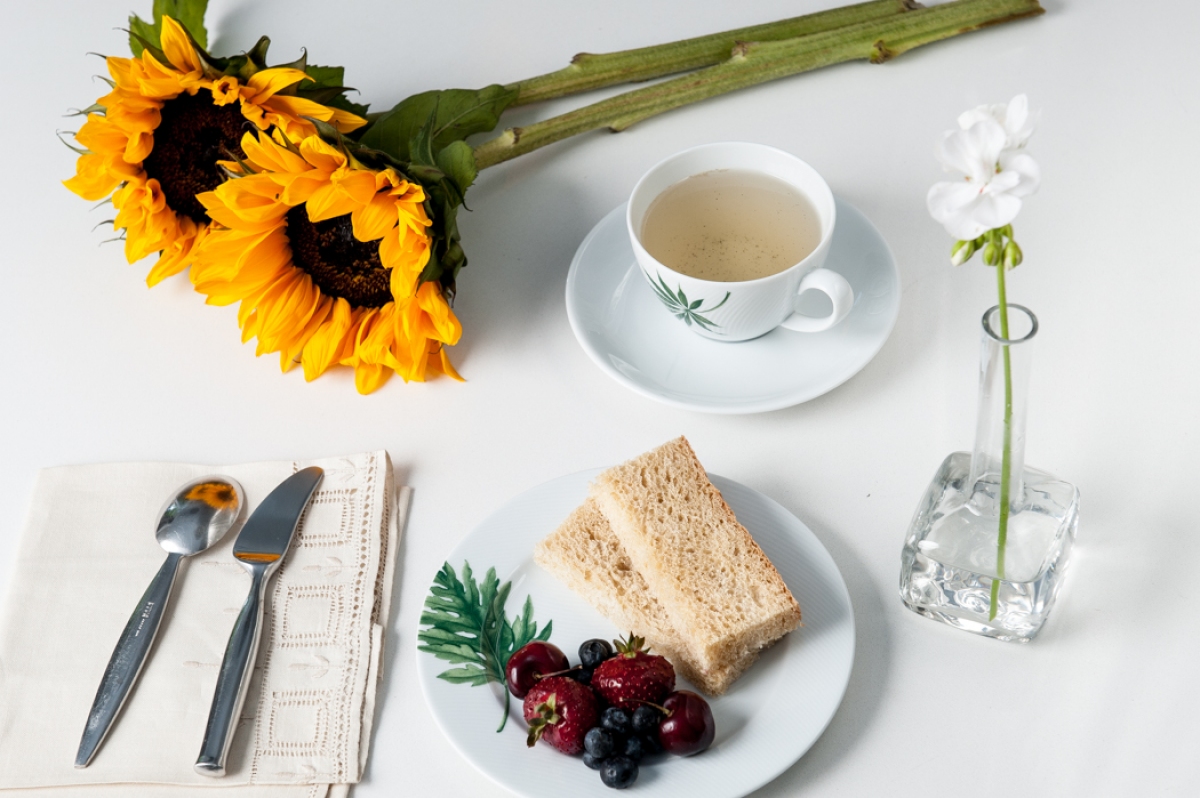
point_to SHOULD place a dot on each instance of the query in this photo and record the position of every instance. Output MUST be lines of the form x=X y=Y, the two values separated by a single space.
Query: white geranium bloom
x=994 y=179
x=1015 y=117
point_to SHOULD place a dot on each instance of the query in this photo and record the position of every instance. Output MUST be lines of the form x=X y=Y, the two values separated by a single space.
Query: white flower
x=995 y=177
x=1015 y=118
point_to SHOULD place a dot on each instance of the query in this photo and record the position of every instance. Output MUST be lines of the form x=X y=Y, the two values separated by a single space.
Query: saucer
x=634 y=339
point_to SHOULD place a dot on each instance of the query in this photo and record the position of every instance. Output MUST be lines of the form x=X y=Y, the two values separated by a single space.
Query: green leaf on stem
x=188 y=13
x=455 y=113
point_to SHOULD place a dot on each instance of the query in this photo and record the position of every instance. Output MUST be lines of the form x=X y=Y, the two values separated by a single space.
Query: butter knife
x=260 y=548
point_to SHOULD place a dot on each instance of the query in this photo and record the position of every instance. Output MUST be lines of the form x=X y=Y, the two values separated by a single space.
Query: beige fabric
x=87 y=554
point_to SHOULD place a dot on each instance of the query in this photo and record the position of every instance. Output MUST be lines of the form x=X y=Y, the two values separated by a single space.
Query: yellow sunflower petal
x=250 y=202
x=328 y=202
x=409 y=344
x=437 y=309
x=321 y=155
x=294 y=109
x=373 y=220
x=229 y=267
x=256 y=309
x=440 y=361
x=139 y=146
x=369 y=377
x=325 y=345
x=293 y=352
x=266 y=82
x=178 y=254
x=405 y=263
x=357 y=184
x=265 y=155
x=93 y=180
x=177 y=47
x=225 y=90
x=99 y=135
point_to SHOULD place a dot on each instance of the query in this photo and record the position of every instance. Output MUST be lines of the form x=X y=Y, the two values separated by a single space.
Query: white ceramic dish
x=625 y=329
x=767 y=720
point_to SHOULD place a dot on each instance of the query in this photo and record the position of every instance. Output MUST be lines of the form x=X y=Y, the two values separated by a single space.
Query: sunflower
x=153 y=142
x=325 y=256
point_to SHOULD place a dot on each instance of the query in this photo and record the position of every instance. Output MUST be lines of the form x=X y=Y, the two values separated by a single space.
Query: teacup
x=741 y=310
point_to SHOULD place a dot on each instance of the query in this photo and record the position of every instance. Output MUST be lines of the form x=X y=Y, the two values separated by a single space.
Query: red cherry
x=530 y=663
x=688 y=727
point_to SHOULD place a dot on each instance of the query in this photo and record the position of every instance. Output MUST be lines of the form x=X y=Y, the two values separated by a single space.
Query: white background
x=98 y=368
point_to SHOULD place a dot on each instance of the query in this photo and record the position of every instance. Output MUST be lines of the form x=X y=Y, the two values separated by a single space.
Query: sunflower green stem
x=588 y=71
x=750 y=63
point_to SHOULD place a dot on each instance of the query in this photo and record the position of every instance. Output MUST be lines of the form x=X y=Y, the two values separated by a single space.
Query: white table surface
x=1105 y=703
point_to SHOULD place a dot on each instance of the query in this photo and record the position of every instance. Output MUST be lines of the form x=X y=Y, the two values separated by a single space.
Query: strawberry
x=633 y=677
x=560 y=711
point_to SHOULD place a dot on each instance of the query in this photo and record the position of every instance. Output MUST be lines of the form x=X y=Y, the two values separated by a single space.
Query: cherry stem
x=539 y=676
x=662 y=709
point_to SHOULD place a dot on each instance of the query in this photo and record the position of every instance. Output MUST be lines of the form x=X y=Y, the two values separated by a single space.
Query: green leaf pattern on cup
x=689 y=312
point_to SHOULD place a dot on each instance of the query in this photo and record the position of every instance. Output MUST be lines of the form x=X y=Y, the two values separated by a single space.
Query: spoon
x=196 y=517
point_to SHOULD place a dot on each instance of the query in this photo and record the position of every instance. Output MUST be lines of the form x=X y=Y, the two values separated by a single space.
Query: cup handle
x=832 y=285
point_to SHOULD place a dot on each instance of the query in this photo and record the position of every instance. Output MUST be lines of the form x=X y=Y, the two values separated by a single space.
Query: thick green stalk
x=1006 y=448
x=594 y=71
x=758 y=62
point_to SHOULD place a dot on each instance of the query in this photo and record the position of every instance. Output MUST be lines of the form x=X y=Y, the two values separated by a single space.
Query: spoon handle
x=234 y=677
x=127 y=660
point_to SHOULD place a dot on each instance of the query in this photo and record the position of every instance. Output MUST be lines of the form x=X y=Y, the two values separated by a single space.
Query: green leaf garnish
x=467 y=626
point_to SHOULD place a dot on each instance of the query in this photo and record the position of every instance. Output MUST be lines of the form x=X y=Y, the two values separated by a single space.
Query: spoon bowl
x=199 y=515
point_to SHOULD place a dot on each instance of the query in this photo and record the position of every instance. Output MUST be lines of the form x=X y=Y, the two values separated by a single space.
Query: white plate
x=766 y=721
x=629 y=334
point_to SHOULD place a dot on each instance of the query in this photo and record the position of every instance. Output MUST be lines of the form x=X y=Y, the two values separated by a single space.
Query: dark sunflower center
x=338 y=263
x=193 y=135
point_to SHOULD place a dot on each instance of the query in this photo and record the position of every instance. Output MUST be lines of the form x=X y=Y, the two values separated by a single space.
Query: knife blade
x=260 y=548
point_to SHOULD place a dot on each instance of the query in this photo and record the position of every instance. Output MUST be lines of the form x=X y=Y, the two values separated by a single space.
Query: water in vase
x=952 y=552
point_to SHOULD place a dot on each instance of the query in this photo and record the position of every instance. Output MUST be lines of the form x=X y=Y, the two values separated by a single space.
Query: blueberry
x=645 y=719
x=594 y=651
x=599 y=742
x=651 y=744
x=616 y=719
x=594 y=762
x=619 y=772
x=634 y=748
x=583 y=675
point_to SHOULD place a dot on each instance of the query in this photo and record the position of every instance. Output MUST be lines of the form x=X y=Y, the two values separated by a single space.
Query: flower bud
x=961 y=252
x=1012 y=255
x=991 y=254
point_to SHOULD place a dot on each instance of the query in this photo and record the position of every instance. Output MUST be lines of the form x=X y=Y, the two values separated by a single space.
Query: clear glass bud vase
x=988 y=546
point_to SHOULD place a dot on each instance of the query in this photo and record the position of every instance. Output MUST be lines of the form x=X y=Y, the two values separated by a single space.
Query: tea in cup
x=730 y=235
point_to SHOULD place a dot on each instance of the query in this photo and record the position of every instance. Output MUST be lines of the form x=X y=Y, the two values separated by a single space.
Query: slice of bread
x=585 y=555
x=722 y=595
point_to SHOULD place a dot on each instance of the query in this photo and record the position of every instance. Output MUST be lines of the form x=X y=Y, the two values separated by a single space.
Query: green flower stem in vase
x=1006 y=456
x=988 y=546
x=747 y=64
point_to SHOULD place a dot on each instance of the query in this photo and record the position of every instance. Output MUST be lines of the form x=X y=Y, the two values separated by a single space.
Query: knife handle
x=127 y=660
x=234 y=677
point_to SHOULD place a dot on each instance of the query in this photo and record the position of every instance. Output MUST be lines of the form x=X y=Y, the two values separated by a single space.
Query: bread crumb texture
x=585 y=555
x=719 y=590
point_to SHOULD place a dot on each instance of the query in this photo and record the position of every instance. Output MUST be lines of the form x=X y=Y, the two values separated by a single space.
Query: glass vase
x=989 y=543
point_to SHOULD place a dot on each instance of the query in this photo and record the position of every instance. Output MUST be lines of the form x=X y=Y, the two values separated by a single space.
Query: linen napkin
x=87 y=554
